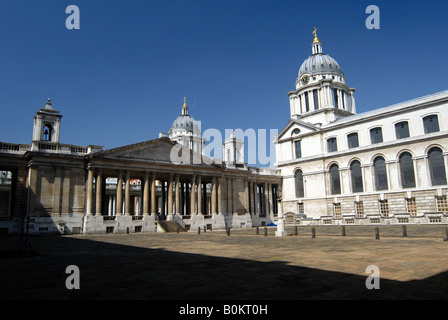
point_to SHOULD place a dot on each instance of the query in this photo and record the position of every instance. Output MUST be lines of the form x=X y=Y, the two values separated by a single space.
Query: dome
x=320 y=63
x=185 y=122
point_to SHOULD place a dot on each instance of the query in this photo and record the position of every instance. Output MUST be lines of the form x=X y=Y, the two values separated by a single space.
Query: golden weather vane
x=315 y=35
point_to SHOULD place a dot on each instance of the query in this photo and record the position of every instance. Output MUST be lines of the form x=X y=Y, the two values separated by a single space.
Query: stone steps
x=170 y=226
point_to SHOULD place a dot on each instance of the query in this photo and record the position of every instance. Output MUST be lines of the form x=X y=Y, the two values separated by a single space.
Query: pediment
x=296 y=128
x=161 y=150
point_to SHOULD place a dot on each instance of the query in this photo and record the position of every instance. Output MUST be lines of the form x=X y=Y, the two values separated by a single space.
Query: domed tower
x=185 y=131
x=321 y=94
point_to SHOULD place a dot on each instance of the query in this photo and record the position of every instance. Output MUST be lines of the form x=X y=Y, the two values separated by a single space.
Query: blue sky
x=122 y=77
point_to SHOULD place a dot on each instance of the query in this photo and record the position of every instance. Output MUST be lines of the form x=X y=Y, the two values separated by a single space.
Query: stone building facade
x=85 y=189
x=383 y=166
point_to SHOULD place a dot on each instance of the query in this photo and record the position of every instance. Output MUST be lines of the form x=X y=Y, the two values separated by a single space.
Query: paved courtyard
x=242 y=265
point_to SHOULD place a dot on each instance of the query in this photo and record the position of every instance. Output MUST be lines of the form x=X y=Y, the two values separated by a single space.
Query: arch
x=47 y=132
x=298 y=180
x=407 y=174
x=380 y=173
x=335 y=179
x=356 y=176
x=436 y=164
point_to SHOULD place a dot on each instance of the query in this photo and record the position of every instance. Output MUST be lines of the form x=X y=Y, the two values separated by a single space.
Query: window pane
x=298 y=148
x=335 y=180
x=307 y=102
x=353 y=141
x=437 y=167
x=299 y=184
x=431 y=124
x=332 y=145
x=356 y=174
x=380 y=173
x=407 y=170
x=376 y=135
x=316 y=99
x=336 y=99
x=402 y=130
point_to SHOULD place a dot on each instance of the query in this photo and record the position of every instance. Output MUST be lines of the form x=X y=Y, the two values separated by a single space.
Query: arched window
x=46 y=134
x=335 y=180
x=356 y=174
x=379 y=165
x=296 y=131
x=407 y=170
x=300 y=192
x=436 y=167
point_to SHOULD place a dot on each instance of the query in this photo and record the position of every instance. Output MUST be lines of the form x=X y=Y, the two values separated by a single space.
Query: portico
x=205 y=195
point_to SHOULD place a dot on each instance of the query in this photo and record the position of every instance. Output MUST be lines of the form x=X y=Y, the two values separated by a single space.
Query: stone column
x=170 y=194
x=153 y=194
x=213 y=199
x=256 y=198
x=89 y=202
x=146 y=194
x=193 y=195
x=219 y=195
x=127 y=194
x=199 y=196
x=265 y=211
x=177 y=195
x=99 y=192
x=246 y=195
x=119 y=206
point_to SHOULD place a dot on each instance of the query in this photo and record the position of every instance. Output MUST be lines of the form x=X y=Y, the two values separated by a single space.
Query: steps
x=170 y=226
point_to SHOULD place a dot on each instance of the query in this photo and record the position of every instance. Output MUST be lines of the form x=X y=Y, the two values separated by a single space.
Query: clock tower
x=321 y=93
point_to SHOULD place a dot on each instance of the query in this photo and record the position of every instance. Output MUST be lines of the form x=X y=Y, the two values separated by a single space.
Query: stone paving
x=242 y=265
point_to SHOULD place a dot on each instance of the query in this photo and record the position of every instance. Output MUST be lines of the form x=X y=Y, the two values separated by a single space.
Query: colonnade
x=180 y=194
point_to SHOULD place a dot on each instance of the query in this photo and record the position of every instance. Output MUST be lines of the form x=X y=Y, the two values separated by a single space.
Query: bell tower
x=47 y=124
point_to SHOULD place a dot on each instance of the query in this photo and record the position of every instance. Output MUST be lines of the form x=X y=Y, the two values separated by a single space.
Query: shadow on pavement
x=121 y=272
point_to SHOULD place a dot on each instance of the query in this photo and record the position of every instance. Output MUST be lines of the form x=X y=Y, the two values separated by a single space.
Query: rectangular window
x=402 y=130
x=384 y=208
x=359 y=209
x=298 y=149
x=307 y=102
x=332 y=145
x=336 y=99
x=376 y=135
x=411 y=206
x=301 y=208
x=337 y=210
x=431 y=123
x=353 y=141
x=442 y=204
x=316 y=99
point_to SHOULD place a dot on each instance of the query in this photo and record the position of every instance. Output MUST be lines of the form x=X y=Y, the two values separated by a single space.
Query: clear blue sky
x=122 y=77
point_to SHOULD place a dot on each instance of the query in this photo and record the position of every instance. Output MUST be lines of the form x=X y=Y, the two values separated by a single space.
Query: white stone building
x=388 y=165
